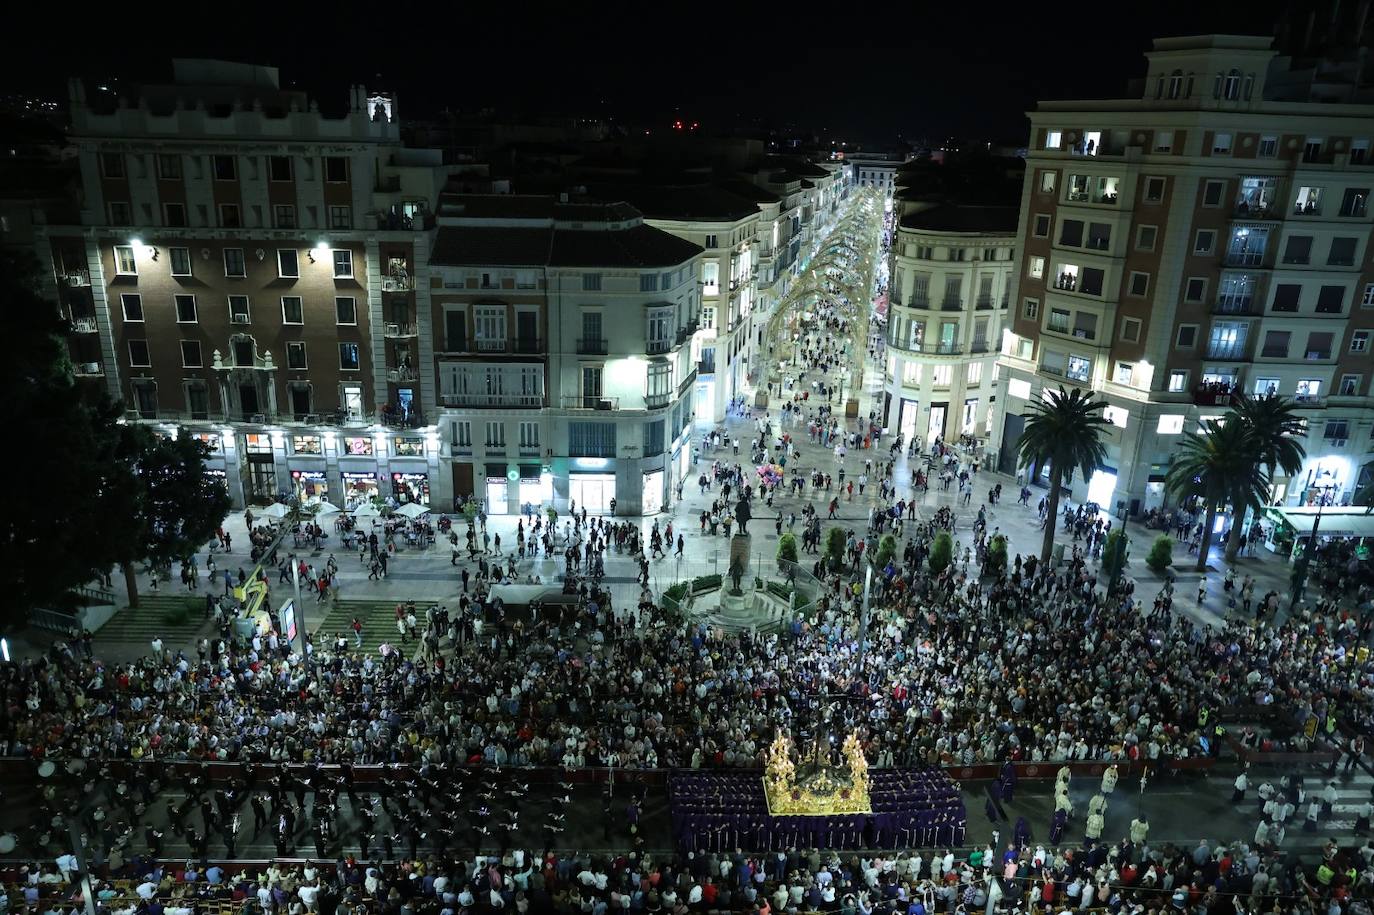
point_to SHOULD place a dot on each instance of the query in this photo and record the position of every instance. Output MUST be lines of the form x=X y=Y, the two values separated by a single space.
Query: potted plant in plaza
x=1161 y=554
x=941 y=552
x=835 y=541
x=787 y=551
x=996 y=562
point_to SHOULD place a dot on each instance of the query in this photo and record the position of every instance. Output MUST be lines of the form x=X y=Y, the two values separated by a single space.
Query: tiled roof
x=639 y=246
x=491 y=246
x=988 y=219
x=708 y=202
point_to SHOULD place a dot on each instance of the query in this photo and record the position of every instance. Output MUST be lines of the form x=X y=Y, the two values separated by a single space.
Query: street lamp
x=1301 y=565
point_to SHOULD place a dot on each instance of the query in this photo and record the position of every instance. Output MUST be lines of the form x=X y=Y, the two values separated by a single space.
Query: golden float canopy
x=828 y=790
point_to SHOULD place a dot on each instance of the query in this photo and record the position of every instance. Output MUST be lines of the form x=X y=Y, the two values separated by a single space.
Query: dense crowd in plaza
x=1028 y=663
x=1130 y=876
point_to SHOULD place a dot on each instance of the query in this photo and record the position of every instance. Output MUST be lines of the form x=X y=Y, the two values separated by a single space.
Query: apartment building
x=947 y=305
x=875 y=170
x=564 y=352
x=244 y=266
x=1209 y=236
x=729 y=227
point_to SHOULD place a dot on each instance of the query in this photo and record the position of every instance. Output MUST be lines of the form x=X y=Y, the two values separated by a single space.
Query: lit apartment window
x=1178 y=382
x=343 y=263
x=125 y=264
x=1170 y=424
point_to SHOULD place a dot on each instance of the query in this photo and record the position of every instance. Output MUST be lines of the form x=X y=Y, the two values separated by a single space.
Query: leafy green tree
x=1113 y=557
x=1064 y=431
x=887 y=548
x=65 y=535
x=1216 y=465
x=835 y=542
x=787 y=548
x=996 y=562
x=1161 y=554
x=178 y=505
x=941 y=552
x=1275 y=431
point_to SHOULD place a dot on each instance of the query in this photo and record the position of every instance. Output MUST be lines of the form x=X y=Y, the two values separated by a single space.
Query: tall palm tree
x=1217 y=465
x=1064 y=431
x=1275 y=432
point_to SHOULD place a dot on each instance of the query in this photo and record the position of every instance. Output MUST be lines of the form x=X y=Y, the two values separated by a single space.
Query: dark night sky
x=970 y=69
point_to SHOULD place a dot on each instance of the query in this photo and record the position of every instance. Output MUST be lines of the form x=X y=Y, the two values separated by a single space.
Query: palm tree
x=1064 y=431
x=1275 y=432
x=1218 y=465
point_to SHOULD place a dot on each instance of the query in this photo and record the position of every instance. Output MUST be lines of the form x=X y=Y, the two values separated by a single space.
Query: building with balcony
x=244 y=266
x=564 y=363
x=728 y=224
x=947 y=306
x=1208 y=236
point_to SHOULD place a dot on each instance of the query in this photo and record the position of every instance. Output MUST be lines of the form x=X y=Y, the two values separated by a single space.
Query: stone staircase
x=149 y=620
x=379 y=624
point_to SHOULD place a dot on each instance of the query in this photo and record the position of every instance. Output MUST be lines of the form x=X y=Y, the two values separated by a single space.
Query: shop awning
x=1336 y=522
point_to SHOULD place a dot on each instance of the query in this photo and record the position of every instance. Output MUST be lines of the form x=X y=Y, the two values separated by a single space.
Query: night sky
x=969 y=70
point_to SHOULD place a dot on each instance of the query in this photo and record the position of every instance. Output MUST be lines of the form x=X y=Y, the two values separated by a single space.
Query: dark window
x=295 y=355
x=112 y=165
x=186 y=309
x=335 y=168
x=1342 y=252
x=226 y=169
x=1071 y=233
x=190 y=354
x=279 y=168
x=1042 y=225
x=138 y=353
x=1286 y=296
x=1092 y=281
x=1299 y=250
x=1211 y=194
x=1187 y=336
x=175 y=214
x=456 y=331
x=1331 y=300
x=345 y=310
x=653 y=438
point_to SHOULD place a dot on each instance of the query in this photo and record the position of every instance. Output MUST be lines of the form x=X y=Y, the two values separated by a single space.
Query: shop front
x=497 y=490
x=311 y=486
x=409 y=486
x=536 y=487
x=652 y=502
x=360 y=487
x=591 y=491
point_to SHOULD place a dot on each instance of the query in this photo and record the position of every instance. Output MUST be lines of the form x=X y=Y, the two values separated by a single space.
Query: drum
x=8 y=842
x=46 y=768
x=76 y=766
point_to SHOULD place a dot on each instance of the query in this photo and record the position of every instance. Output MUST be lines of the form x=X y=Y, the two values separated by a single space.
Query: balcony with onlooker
x=1215 y=393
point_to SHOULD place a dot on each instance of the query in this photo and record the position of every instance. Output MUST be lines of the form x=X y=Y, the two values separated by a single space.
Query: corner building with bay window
x=1209 y=236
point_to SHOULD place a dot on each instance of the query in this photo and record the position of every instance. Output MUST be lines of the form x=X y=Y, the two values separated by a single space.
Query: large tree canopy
x=64 y=528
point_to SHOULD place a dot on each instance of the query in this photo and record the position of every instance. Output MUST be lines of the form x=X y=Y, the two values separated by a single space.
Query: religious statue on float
x=816 y=787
